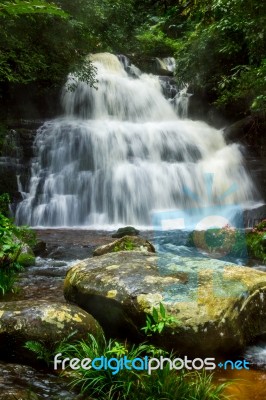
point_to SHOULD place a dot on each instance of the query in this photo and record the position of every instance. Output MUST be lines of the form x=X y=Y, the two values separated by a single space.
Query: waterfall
x=121 y=151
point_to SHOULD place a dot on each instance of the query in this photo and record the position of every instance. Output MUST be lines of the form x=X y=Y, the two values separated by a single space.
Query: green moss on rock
x=26 y=260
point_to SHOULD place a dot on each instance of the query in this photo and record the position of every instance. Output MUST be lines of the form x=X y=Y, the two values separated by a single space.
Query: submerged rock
x=41 y=321
x=127 y=243
x=219 y=306
x=40 y=249
x=126 y=231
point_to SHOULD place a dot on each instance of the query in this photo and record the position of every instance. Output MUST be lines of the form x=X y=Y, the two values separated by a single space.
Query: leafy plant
x=131 y=384
x=4 y=204
x=41 y=351
x=158 y=320
x=11 y=240
x=18 y=7
x=45 y=353
x=256 y=241
x=25 y=234
x=231 y=35
x=126 y=244
x=9 y=252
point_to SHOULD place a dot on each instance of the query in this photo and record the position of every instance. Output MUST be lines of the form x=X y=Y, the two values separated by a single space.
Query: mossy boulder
x=126 y=243
x=220 y=307
x=26 y=259
x=42 y=321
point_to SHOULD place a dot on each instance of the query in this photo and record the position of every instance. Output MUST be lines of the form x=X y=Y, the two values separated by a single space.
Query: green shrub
x=127 y=245
x=157 y=321
x=256 y=241
x=26 y=235
x=9 y=252
x=11 y=258
x=4 y=204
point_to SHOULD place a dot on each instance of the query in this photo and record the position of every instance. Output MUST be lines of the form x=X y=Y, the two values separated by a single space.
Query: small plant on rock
x=157 y=321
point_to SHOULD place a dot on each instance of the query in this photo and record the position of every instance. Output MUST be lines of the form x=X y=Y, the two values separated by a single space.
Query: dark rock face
x=126 y=231
x=16 y=156
x=222 y=312
x=254 y=216
x=250 y=132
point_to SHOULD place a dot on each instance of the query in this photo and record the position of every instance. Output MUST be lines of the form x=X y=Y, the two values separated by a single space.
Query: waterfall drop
x=122 y=151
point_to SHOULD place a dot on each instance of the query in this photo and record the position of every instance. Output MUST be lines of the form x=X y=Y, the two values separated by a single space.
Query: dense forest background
x=219 y=45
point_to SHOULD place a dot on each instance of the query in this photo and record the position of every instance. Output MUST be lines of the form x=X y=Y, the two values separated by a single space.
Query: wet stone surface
x=26 y=383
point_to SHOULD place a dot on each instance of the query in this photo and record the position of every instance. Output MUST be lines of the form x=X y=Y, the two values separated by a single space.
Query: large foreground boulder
x=41 y=321
x=219 y=307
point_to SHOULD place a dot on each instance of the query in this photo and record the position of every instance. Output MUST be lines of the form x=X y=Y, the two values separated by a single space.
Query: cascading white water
x=120 y=152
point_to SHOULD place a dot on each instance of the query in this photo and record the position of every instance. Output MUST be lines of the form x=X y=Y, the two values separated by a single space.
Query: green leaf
x=155 y=315
x=160 y=326
x=162 y=310
x=31 y=7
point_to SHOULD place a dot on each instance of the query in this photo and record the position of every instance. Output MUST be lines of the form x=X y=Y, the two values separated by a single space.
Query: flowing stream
x=124 y=150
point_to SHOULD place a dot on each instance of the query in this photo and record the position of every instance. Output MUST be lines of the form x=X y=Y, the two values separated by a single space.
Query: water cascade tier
x=123 y=150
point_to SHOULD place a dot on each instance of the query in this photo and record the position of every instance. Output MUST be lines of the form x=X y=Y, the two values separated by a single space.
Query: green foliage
x=18 y=7
x=26 y=259
x=130 y=384
x=126 y=245
x=25 y=235
x=45 y=353
x=4 y=204
x=41 y=351
x=219 y=44
x=9 y=252
x=256 y=241
x=11 y=239
x=261 y=226
x=153 y=41
x=224 y=49
x=44 y=47
x=158 y=320
x=232 y=242
x=162 y=24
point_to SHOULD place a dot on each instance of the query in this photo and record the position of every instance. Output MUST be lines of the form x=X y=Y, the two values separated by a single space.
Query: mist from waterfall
x=122 y=151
